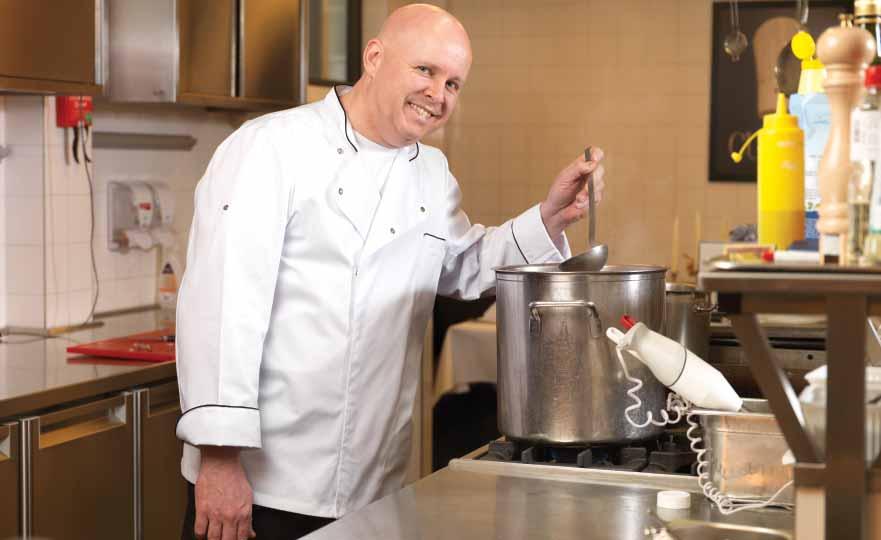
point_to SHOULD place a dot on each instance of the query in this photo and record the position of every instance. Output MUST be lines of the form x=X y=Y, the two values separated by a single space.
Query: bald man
x=320 y=238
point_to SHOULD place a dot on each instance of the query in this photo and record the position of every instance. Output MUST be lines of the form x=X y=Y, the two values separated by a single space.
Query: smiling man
x=320 y=238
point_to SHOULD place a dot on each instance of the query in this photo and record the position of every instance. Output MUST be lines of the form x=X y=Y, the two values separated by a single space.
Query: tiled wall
x=3 y=257
x=48 y=269
x=630 y=76
x=130 y=278
x=23 y=191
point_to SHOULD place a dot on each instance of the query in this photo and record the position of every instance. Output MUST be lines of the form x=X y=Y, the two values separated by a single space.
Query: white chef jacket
x=304 y=303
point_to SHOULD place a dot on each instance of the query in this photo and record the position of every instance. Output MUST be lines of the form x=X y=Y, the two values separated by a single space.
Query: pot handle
x=704 y=308
x=595 y=325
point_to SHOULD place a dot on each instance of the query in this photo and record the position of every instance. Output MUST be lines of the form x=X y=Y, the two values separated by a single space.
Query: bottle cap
x=627 y=321
x=674 y=500
x=866 y=8
x=873 y=76
x=803 y=45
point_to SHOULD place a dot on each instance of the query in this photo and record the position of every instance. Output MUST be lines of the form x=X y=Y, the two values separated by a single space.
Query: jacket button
x=392 y=230
x=340 y=191
x=339 y=150
x=422 y=209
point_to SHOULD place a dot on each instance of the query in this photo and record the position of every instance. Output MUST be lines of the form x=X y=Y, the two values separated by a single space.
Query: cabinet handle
x=160 y=400
x=79 y=422
x=234 y=48
x=304 y=51
x=242 y=67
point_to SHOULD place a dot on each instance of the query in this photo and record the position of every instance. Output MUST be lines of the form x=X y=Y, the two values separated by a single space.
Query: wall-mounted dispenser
x=139 y=215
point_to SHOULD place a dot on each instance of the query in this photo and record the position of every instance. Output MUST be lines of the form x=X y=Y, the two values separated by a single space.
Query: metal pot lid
x=610 y=270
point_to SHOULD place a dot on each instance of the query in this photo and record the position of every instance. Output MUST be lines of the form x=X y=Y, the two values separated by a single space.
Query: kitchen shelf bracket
x=142 y=141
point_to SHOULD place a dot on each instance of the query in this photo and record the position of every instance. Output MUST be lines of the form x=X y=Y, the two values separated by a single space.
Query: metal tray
x=730 y=266
x=745 y=450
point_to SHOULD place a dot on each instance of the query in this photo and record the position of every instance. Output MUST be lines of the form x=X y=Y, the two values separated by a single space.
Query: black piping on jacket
x=346 y=125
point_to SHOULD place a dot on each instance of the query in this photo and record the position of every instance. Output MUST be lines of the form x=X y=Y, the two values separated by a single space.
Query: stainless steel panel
x=163 y=489
x=40 y=39
x=10 y=473
x=207 y=29
x=559 y=379
x=463 y=505
x=82 y=472
x=143 y=44
x=271 y=60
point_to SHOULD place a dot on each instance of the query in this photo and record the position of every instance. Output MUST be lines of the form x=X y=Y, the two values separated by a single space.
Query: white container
x=813 y=404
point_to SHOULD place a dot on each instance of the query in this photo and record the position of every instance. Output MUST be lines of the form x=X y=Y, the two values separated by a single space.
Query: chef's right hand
x=223 y=496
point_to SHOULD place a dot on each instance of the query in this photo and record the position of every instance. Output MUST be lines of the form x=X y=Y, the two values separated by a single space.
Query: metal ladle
x=735 y=42
x=595 y=257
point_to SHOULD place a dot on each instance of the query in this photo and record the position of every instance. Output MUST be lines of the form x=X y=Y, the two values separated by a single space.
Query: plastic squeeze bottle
x=781 y=179
x=811 y=106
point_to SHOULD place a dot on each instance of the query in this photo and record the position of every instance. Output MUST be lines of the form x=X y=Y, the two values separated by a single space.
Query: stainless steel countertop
x=461 y=504
x=39 y=374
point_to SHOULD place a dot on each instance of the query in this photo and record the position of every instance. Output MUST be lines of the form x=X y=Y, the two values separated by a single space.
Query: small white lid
x=676 y=500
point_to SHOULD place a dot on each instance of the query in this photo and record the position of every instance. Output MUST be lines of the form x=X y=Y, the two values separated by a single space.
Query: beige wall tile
x=57 y=268
x=25 y=309
x=480 y=18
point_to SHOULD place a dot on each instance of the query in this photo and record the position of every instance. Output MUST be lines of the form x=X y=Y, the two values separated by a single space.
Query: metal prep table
x=480 y=500
x=847 y=296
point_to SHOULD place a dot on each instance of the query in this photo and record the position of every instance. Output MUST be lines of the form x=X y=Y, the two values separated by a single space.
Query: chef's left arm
x=242 y=208
x=534 y=237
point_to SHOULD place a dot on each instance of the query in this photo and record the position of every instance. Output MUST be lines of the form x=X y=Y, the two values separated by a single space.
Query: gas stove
x=668 y=454
x=665 y=462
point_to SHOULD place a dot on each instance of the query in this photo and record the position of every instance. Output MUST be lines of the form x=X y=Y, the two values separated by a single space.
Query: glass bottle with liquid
x=865 y=144
x=867 y=15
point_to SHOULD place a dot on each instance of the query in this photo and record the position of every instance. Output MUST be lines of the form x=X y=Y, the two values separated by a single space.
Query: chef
x=320 y=237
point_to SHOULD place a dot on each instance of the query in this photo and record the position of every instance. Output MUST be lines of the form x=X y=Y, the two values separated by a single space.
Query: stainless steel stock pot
x=559 y=379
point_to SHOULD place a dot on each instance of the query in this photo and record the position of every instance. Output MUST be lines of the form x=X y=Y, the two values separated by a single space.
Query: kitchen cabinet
x=237 y=54
x=79 y=471
x=10 y=463
x=163 y=491
x=47 y=46
x=272 y=59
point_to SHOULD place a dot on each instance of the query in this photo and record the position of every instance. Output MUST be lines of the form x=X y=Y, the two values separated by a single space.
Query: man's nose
x=435 y=91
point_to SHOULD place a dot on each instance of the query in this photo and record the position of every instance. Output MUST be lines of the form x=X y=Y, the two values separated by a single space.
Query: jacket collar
x=337 y=116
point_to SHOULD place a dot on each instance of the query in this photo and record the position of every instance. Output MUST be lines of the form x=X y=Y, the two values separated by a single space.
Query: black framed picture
x=744 y=89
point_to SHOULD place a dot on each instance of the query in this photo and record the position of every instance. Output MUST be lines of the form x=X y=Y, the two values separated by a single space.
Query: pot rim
x=554 y=269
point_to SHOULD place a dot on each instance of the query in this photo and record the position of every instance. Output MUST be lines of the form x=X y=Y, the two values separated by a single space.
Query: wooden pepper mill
x=845 y=51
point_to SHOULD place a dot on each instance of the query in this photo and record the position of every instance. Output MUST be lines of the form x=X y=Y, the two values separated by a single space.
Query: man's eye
x=424 y=69
x=453 y=86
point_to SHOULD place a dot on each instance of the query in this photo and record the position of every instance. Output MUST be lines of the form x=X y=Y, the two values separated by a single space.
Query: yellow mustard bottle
x=781 y=178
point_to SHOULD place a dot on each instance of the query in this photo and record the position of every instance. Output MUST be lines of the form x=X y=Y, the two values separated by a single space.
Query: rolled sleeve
x=220 y=425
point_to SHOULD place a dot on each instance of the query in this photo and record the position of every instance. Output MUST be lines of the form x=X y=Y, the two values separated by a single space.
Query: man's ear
x=372 y=57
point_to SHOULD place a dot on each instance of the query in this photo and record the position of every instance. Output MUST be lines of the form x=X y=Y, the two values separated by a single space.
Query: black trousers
x=268 y=523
